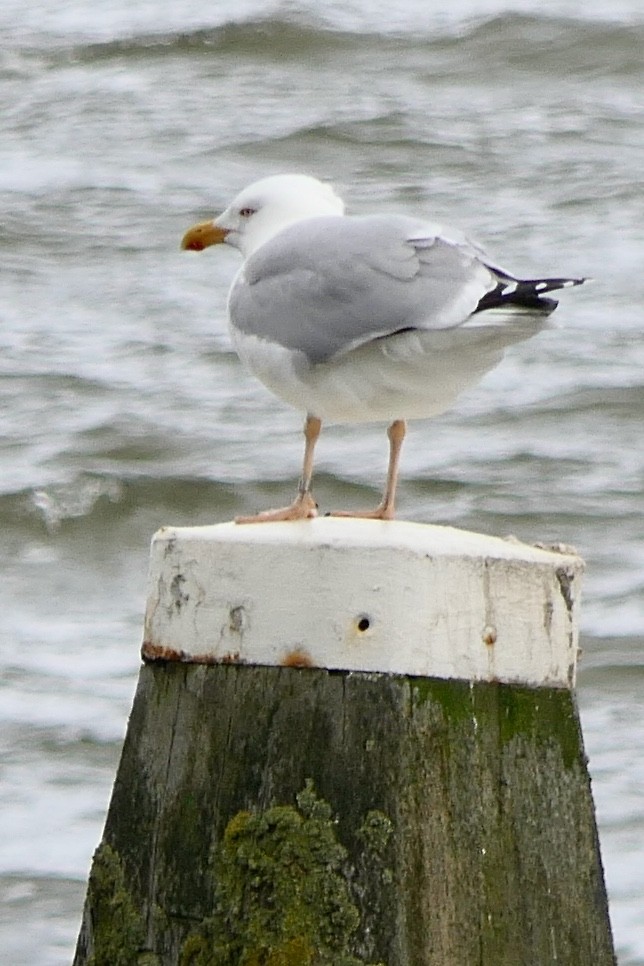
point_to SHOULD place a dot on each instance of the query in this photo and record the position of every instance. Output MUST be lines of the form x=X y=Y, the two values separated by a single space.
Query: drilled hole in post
x=364 y=623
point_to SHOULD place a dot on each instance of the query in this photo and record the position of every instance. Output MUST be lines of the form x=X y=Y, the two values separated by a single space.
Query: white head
x=263 y=209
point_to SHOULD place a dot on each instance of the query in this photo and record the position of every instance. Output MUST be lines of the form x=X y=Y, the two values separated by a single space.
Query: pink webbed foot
x=381 y=512
x=303 y=507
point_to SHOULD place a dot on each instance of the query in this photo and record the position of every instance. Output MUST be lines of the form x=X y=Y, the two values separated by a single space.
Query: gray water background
x=123 y=408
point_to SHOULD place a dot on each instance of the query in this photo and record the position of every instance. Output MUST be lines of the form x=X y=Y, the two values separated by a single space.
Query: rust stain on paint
x=298 y=657
x=159 y=654
x=489 y=635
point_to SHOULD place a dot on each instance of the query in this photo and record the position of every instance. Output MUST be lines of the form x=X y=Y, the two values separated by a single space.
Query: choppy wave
x=98 y=502
x=528 y=42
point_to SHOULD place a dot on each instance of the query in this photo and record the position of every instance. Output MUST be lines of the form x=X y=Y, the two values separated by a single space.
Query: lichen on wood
x=118 y=929
x=281 y=891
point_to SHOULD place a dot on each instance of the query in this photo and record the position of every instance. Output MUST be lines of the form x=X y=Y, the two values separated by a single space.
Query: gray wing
x=328 y=285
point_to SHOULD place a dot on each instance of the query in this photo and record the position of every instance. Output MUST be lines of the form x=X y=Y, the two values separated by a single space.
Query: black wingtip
x=527 y=293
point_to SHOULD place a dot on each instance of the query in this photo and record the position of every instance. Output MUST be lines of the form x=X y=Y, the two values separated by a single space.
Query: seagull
x=363 y=318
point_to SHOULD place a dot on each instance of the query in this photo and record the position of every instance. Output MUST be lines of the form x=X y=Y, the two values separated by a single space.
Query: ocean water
x=123 y=407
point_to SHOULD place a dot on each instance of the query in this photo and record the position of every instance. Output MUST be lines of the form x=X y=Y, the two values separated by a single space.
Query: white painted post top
x=364 y=595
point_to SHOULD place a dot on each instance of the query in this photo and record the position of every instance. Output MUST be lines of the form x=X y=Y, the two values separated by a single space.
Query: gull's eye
x=247 y=212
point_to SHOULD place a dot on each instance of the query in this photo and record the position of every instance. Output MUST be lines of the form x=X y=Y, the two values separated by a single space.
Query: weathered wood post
x=352 y=742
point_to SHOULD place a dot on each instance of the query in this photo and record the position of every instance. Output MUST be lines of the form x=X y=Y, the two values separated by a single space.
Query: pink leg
x=386 y=508
x=303 y=506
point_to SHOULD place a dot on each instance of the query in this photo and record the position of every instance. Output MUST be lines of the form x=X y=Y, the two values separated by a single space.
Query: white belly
x=412 y=375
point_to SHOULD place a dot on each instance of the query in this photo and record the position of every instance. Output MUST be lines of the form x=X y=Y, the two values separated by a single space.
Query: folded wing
x=326 y=286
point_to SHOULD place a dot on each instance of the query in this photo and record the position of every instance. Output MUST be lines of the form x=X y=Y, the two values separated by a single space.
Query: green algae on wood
x=118 y=926
x=281 y=892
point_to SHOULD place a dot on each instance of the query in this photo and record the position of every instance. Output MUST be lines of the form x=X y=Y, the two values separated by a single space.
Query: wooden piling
x=352 y=742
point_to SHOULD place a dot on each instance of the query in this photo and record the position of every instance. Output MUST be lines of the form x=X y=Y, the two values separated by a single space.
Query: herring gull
x=364 y=318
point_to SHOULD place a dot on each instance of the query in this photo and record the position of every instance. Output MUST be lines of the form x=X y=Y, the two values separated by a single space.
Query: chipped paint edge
x=278 y=599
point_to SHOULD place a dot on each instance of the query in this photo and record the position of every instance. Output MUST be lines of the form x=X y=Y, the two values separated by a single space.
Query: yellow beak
x=202 y=235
